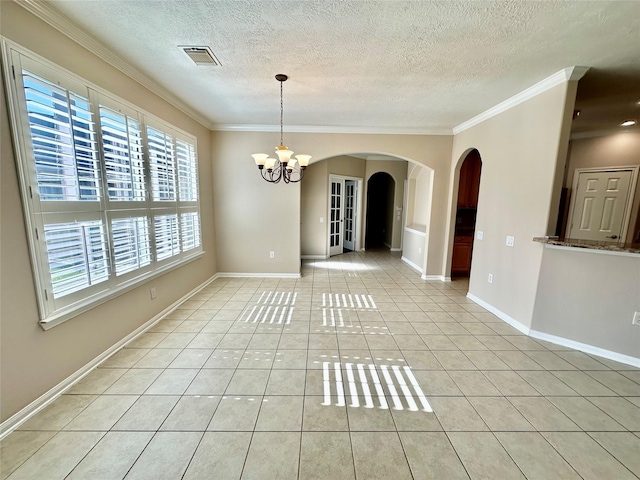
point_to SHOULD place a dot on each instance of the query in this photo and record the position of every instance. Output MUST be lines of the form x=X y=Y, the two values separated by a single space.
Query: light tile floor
x=284 y=379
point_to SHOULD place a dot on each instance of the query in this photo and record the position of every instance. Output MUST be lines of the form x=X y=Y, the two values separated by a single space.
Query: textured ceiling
x=375 y=65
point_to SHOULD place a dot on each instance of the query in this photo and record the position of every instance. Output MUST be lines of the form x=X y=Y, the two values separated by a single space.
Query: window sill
x=102 y=297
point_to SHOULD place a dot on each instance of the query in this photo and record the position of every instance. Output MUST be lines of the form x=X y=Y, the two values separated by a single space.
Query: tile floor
x=332 y=376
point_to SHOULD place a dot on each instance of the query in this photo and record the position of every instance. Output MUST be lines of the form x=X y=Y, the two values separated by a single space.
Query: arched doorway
x=467 y=206
x=380 y=200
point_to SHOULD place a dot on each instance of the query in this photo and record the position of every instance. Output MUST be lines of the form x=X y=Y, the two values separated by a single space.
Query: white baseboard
x=565 y=342
x=47 y=398
x=586 y=348
x=395 y=249
x=313 y=257
x=441 y=278
x=500 y=314
x=257 y=275
x=411 y=264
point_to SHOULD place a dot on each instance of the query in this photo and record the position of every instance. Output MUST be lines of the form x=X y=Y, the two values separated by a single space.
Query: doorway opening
x=345 y=199
x=467 y=206
x=380 y=200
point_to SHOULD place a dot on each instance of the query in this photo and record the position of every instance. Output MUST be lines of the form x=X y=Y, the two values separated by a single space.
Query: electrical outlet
x=510 y=241
x=419 y=249
x=490 y=278
x=636 y=319
x=479 y=234
x=272 y=254
x=321 y=219
x=152 y=292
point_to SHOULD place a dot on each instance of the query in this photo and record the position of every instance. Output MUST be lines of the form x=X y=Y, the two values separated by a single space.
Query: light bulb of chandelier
x=303 y=160
x=260 y=158
x=270 y=163
x=283 y=154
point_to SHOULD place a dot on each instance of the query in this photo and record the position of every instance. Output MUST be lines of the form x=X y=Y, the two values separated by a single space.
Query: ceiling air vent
x=201 y=55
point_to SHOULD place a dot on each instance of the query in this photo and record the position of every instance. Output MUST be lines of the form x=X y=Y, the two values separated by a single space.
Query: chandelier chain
x=281 y=115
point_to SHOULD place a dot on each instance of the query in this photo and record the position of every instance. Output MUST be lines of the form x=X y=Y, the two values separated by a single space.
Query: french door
x=350 y=199
x=343 y=214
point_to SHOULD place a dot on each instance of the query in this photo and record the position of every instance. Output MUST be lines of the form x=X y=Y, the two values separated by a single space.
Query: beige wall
x=418 y=214
x=589 y=297
x=254 y=217
x=314 y=202
x=422 y=200
x=313 y=206
x=522 y=151
x=33 y=360
x=413 y=248
x=616 y=150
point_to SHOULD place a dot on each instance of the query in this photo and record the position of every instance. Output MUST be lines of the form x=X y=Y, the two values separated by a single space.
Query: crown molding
x=331 y=129
x=569 y=74
x=61 y=23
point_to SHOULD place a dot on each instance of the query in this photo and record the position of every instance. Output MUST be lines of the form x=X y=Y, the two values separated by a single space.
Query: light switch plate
x=636 y=319
x=510 y=241
x=490 y=278
x=479 y=234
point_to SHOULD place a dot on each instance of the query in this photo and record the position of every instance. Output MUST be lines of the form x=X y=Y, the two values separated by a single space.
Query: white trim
x=500 y=314
x=47 y=398
x=415 y=231
x=258 y=275
x=228 y=127
x=411 y=264
x=77 y=34
x=313 y=257
x=590 y=249
x=565 y=342
x=586 y=348
x=568 y=74
x=395 y=249
x=442 y=278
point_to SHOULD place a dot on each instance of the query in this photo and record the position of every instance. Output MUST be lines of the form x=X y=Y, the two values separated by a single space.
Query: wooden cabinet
x=469 y=185
x=461 y=260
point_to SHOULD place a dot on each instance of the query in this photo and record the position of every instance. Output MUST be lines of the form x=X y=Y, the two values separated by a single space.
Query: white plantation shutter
x=63 y=141
x=162 y=165
x=77 y=256
x=110 y=193
x=187 y=171
x=123 y=157
x=190 y=230
x=167 y=237
x=131 y=244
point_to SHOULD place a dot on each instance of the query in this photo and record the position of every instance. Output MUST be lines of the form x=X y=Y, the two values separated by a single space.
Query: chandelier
x=290 y=170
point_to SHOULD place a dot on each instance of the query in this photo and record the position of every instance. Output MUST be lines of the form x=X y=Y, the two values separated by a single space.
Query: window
x=110 y=192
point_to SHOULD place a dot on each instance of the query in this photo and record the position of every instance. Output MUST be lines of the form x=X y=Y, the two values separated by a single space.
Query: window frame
x=37 y=213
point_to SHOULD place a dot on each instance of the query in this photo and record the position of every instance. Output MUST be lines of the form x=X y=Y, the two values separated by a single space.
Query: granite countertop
x=590 y=245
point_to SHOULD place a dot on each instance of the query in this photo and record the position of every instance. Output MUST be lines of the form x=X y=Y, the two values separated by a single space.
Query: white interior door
x=600 y=204
x=336 y=190
x=350 y=213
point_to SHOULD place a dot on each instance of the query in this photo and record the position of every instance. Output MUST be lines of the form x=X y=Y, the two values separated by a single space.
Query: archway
x=466 y=211
x=380 y=211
